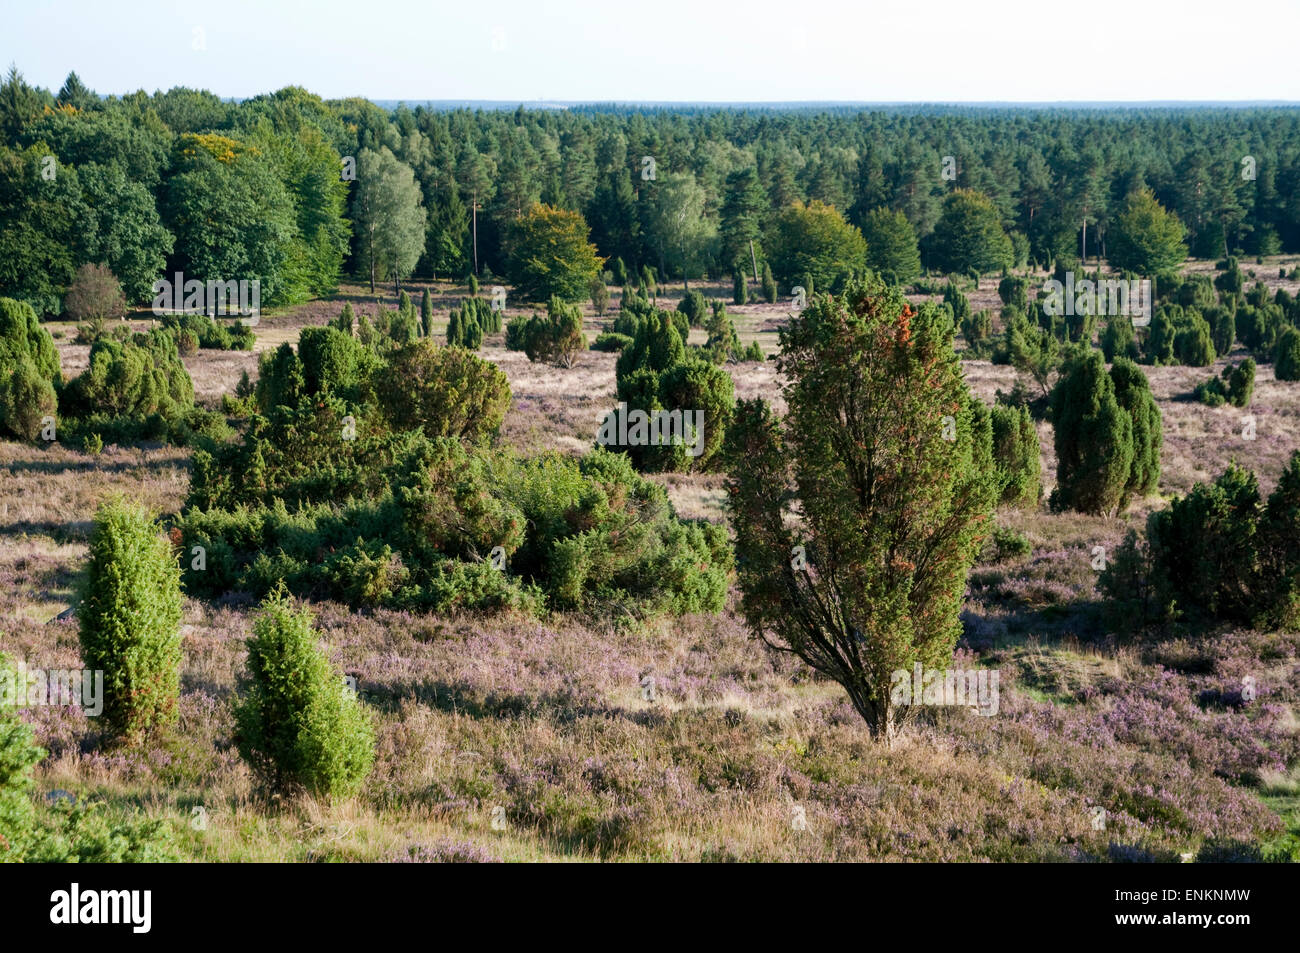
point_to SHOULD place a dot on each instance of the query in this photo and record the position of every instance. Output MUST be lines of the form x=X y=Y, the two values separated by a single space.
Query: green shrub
x=609 y=341
x=298 y=724
x=281 y=379
x=133 y=379
x=1131 y=601
x=1286 y=359
x=599 y=294
x=1235 y=386
x=977 y=329
x=332 y=362
x=1241 y=383
x=601 y=534
x=654 y=373
x=26 y=399
x=130 y=618
x=1016 y=455
x=1258 y=328
x=722 y=342
x=1203 y=548
x=1014 y=291
x=443 y=392
x=1194 y=342
x=21 y=335
x=1133 y=394
x=769 y=284
x=1117 y=338
x=557 y=338
x=739 y=288
x=1007 y=544
x=958 y=302
x=517 y=333
x=694 y=307
x=18 y=755
x=1094 y=438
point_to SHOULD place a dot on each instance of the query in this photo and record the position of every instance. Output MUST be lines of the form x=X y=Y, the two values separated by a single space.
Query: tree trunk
x=753 y=260
x=475 y=234
x=372 y=259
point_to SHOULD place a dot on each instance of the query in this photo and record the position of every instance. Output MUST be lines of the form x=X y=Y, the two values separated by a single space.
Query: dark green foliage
x=694 y=307
x=1146 y=238
x=1094 y=438
x=1016 y=455
x=1204 y=549
x=1031 y=349
x=333 y=363
x=1194 y=342
x=769 y=284
x=426 y=314
x=298 y=724
x=599 y=293
x=1117 y=339
x=654 y=373
x=582 y=534
x=1235 y=386
x=958 y=302
x=1014 y=292
x=1006 y=545
x=21 y=335
x=18 y=755
x=1223 y=322
x=556 y=338
x=130 y=619
x=977 y=329
x=739 y=288
x=135 y=379
x=891 y=513
x=443 y=392
x=601 y=535
x=1286 y=359
x=891 y=245
x=610 y=341
x=1158 y=349
x=722 y=343
x=281 y=380
x=211 y=334
x=27 y=398
x=1241 y=383
x=1132 y=602
x=1133 y=394
x=969 y=235
x=1258 y=328
x=620 y=272
x=345 y=319
x=516 y=333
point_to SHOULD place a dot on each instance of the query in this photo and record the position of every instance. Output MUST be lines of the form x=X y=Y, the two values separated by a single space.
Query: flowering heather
x=502 y=737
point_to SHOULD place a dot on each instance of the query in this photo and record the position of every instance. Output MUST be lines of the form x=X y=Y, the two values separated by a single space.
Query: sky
x=669 y=50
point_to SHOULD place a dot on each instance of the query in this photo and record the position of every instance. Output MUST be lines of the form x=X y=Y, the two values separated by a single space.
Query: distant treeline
x=185 y=181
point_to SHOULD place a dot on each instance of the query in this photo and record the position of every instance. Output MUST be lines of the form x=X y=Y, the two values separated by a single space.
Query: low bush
x=298 y=724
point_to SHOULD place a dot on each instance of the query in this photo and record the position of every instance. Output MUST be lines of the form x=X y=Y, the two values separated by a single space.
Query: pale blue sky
x=680 y=50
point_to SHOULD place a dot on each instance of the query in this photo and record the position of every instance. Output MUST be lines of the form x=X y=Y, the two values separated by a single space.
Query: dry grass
x=547 y=719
